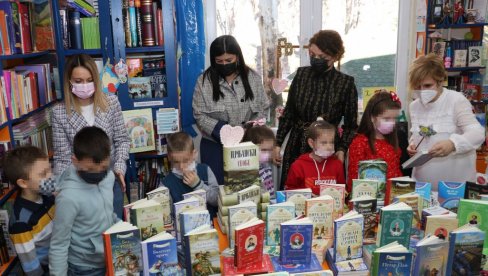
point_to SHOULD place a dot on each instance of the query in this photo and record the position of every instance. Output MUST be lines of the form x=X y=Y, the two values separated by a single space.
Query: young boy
x=84 y=207
x=187 y=176
x=31 y=222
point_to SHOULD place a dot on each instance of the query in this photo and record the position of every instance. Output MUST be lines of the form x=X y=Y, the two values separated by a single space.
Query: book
x=399 y=186
x=161 y=195
x=395 y=224
x=474 y=212
x=159 y=256
x=239 y=214
x=474 y=56
x=420 y=158
x=337 y=192
x=184 y=206
x=25 y=28
x=441 y=225
x=249 y=243
x=439 y=48
x=241 y=166
x=361 y=187
x=135 y=67
x=202 y=253
x=8 y=12
x=313 y=265
x=231 y=199
x=432 y=253
x=474 y=190
x=235 y=181
x=416 y=203
x=140 y=87
x=263 y=266
x=147 y=216
x=192 y=219
x=155 y=69
x=460 y=58
x=139 y=125
x=432 y=211
x=423 y=189
x=391 y=259
x=296 y=241
x=42 y=25
x=275 y=215
x=465 y=250
x=349 y=267
x=320 y=210
x=122 y=246
x=348 y=237
x=314 y=273
x=147 y=26
x=450 y=193
x=251 y=193
x=200 y=194
x=375 y=170
x=366 y=206
x=299 y=198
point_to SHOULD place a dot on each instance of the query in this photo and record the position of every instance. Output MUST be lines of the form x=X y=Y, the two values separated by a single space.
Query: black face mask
x=319 y=65
x=226 y=69
x=91 y=177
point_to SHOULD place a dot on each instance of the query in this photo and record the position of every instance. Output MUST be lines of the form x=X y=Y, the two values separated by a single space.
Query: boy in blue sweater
x=84 y=207
x=186 y=175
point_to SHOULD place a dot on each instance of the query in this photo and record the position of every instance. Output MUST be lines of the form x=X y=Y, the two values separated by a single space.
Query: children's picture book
x=432 y=254
x=139 y=125
x=439 y=48
x=192 y=219
x=375 y=170
x=159 y=256
x=135 y=67
x=167 y=120
x=392 y=259
x=366 y=206
x=420 y=158
x=474 y=56
x=395 y=224
x=200 y=194
x=423 y=189
x=450 y=193
x=202 y=256
x=161 y=195
x=147 y=216
x=460 y=58
x=441 y=225
x=156 y=71
x=184 y=206
x=251 y=193
x=465 y=250
x=296 y=241
x=348 y=237
x=122 y=243
x=399 y=186
x=474 y=212
x=313 y=265
x=337 y=192
x=275 y=215
x=320 y=210
x=239 y=214
x=299 y=198
x=140 y=87
x=361 y=187
x=249 y=243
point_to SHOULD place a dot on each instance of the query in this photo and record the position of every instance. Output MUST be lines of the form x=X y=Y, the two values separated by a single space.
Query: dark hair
x=91 y=142
x=18 y=162
x=329 y=42
x=257 y=134
x=318 y=127
x=379 y=103
x=180 y=141
x=222 y=45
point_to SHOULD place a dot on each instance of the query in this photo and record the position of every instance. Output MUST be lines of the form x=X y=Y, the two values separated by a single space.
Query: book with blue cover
x=296 y=241
x=424 y=189
x=275 y=215
x=391 y=259
x=465 y=251
x=450 y=193
x=192 y=219
x=348 y=237
x=395 y=224
x=313 y=265
x=432 y=253
x=159 y=255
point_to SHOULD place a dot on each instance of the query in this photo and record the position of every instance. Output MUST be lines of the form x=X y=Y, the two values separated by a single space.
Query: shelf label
x=148 y=103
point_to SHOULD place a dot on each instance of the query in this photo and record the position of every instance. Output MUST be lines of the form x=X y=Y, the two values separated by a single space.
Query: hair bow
x=258 y=122
x=395 y=98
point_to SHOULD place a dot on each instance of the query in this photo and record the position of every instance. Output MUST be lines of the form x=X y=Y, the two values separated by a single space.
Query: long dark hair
x=378 y=104
x=222 y=45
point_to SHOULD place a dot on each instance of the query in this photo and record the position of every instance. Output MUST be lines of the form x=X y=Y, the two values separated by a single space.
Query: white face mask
x=427 y=95
x=323 y=153
x=191 y=167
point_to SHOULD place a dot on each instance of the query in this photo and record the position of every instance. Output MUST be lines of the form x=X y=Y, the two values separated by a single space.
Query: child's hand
x=191 y=178
x=411 y=150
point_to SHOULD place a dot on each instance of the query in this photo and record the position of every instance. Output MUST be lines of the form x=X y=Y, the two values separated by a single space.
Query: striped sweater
x=30 y=230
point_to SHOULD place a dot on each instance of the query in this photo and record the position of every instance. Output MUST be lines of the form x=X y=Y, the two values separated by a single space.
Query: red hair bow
x=395 y=98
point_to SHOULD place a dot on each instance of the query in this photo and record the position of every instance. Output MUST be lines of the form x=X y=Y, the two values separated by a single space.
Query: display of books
x=465 y=250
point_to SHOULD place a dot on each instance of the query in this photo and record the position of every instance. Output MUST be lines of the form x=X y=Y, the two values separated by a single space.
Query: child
x=84 y=207
x=265 y=139
x=320 y=166
x=377 y=136
x=31 y=222
x=187 y=176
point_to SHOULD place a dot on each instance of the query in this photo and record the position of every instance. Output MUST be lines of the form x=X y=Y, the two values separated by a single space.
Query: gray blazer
x=65 y=128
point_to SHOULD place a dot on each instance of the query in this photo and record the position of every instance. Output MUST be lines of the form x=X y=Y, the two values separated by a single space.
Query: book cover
x=432 y=254
x=148 y=216
x=263 y=266
x=122 y=243
x=231 y=199
x=135 y=67
x=200 y=194
x=241 y=157
x=356 y=266
x=348 y=237
x=320 y=210
x=423 y=189
x=375 y=170
x=465 y=251
x=202 y=256
x=167 y=121
x=399 y=186
x=25 y=28
x=251 y=193
x=439 y=48
x=162 y=196
x=313 y=265
x=296 y=241
x=474 y=56
x=366 y=206
x=159 y=256
x=460 y=58
x=393 y=264
x=337 y=192
x=139 y=125
x=192 y=219
x=395 y=224
x=474 y=190
x=474 y=212
x=16 y=18
x=140 y=87
x=239 y=214
x=184 y=206
x=275 y=215
x=299 y=198
x=249 y=243
x=441 y=225
x=416 y=203
x=435 y=210
x=147 y=25
x=235 y=181
x=156 y=70
x=450 y=193
x=362 y=187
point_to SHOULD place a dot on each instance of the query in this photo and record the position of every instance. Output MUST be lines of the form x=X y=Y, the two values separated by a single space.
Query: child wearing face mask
x=186 y=175
x=264 y=137
x=376 y=137
x=320 y=166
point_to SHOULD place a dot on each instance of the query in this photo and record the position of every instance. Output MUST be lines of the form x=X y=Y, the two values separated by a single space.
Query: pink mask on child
x=83 y=90
x=385 y=127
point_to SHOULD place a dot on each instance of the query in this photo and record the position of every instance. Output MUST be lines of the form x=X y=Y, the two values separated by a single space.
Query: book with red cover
x=147 y=24
x=398 y=186
x=249 y=241
x=25 y=28
x=5 y=40
x=42 y=80
x=160 y=28
x=263 y=266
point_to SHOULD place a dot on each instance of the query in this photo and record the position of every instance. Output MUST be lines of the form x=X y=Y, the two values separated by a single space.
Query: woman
x=318 y=90
x=442 y=123
x=86 y=105
x=228 y=92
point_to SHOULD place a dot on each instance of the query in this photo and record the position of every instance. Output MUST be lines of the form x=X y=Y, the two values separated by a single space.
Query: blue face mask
x=91 y=177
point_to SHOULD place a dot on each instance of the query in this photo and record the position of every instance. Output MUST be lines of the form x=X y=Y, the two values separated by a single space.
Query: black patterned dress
x=330 y=94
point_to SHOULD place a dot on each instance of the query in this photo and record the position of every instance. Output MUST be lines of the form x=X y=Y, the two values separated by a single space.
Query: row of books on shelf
x=85 y=7
x=143 y=23
x=459 y=55
x=36 y=131
x=79 y=32
x=25 y=27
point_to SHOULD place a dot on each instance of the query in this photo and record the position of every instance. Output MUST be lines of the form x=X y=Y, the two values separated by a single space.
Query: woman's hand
x=340 y=155
x=277 y=158
x=411 y=150
x=442 y=148
x=121 y=178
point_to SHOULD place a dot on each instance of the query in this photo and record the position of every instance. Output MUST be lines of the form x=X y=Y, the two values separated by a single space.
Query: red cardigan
x=359 y=150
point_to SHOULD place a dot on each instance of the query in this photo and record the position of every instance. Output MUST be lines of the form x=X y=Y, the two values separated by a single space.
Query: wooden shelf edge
x=5 y=268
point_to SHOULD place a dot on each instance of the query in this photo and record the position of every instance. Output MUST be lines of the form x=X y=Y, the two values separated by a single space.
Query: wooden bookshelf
x=5 y=268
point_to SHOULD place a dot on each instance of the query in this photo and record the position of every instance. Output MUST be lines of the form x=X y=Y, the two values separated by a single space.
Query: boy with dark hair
x=186 y=175
x=31 y=223
x=84 y=207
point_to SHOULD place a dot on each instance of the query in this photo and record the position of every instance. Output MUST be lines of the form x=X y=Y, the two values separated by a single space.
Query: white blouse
x=452 y=117
x=88 y=114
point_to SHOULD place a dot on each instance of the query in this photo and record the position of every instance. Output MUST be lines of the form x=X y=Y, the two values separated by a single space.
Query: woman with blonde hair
x=86 y=105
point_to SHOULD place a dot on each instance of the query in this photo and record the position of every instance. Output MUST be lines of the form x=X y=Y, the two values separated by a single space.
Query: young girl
x=265 y=139
x=377 y=136
x=320 y=166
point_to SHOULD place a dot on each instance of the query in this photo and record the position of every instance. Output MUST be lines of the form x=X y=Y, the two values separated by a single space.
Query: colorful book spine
x=148 y=22
x=133 y=23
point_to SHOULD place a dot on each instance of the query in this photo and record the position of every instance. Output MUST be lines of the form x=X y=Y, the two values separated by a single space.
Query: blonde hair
x=70 y=100
x=424 y=67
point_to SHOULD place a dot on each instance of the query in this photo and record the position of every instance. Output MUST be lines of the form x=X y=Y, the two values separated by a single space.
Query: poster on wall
x=420 y=44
